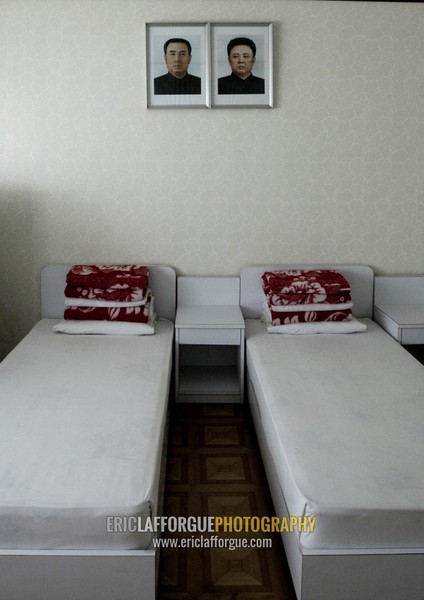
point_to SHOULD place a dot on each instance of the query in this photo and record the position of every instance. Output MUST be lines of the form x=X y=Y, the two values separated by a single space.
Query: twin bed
x=83 y=422
x=339 y=419
x=83 y=426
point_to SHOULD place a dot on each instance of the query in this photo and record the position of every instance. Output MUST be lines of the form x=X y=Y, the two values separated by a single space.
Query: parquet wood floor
x=214 y=468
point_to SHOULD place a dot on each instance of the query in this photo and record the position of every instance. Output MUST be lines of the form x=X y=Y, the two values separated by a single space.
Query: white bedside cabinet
x=209 y=340
x=399 y=307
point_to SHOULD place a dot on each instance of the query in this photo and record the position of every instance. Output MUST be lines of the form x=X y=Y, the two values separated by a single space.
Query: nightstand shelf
x=209 y=341
x=209 y=384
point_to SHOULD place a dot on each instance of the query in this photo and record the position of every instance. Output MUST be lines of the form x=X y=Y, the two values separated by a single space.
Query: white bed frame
x=334 y=575
x=86 y=575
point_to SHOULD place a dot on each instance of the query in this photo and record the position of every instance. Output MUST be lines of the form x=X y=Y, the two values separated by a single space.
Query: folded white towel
x=316 y=307
x=102 y=303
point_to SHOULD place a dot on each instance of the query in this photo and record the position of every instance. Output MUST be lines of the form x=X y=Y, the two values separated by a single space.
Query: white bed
x=83 y=425
x=339 y=419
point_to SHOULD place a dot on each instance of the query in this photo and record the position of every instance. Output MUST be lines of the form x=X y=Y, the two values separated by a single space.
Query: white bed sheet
x=81 y=436
x=343 y=416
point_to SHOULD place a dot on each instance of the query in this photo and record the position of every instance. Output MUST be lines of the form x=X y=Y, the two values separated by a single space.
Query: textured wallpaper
x=332 y=173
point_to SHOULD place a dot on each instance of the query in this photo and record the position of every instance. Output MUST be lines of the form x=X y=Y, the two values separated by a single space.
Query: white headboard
x=360 y=277
x=162 y=281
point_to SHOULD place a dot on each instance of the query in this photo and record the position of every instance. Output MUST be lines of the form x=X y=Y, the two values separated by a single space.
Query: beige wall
x=334 y=172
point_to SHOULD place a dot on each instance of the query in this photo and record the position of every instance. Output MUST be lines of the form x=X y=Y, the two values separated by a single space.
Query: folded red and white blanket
x=132 y=314
x=306 y=286
x=305 y=316
x=316 y=296
x=306 y=296
x=108 y=276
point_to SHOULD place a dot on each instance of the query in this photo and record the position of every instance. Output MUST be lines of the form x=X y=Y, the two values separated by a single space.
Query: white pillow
x=104 y=327
x=351 y=326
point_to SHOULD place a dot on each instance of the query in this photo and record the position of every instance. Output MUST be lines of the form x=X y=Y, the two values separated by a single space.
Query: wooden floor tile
x=215 y=468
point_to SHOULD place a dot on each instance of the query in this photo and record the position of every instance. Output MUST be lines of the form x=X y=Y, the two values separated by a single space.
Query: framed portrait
x=241 y=65
x=178 y=65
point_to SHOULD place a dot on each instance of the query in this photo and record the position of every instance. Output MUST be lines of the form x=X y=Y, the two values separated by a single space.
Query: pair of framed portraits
x=209 y=65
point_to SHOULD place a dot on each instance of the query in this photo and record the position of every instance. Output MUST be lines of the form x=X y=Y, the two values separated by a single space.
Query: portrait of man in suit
x=177 y=54
x=241 y=52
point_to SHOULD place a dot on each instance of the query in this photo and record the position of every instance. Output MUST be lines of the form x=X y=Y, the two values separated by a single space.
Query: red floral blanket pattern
x=115 y=294
x=309 y=316
x=306 y=286
x=113 y=284
x=134 y=314
x=312 y=297
x=108 y=276
x=314 y=287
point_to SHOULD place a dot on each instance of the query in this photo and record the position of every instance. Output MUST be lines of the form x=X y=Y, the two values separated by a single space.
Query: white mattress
x=343 y=416
x=81 y=436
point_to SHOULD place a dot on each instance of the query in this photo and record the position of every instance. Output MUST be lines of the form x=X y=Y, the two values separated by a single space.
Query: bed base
x=339 y=576
x=70 y=575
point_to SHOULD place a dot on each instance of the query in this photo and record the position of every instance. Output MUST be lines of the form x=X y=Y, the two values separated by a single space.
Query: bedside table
x=209 y=341
x=399 y=307
x=404 y=322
